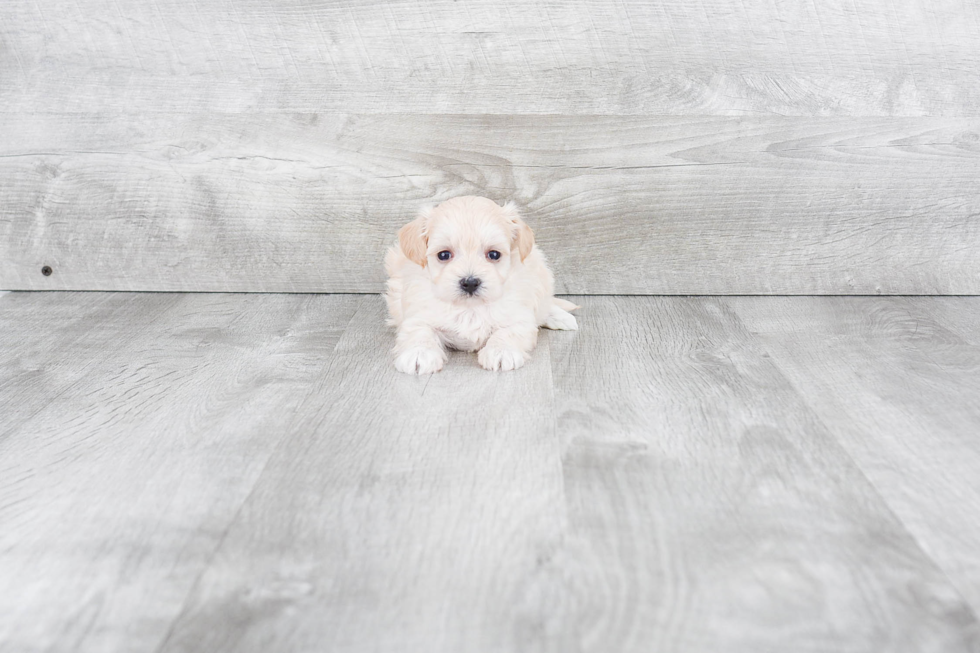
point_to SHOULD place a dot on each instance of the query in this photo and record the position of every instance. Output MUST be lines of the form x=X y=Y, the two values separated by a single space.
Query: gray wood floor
x=187 y=472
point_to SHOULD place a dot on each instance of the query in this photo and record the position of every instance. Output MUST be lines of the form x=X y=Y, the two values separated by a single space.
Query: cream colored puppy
x=467 y=275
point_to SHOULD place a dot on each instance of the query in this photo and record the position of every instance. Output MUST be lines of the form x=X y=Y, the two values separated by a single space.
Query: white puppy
x=467 y=275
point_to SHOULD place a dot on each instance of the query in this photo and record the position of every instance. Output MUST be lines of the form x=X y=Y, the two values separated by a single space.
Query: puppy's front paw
x=495 y=358
x=420 y=360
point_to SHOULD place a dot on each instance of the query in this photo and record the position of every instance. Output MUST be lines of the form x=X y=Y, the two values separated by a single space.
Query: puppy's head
x=469 y=246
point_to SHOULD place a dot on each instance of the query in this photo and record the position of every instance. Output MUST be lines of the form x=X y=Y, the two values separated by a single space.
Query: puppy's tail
x=564 y=305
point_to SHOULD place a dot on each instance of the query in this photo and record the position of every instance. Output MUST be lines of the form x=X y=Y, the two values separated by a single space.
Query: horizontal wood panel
x=309 y=202
x=840 y=57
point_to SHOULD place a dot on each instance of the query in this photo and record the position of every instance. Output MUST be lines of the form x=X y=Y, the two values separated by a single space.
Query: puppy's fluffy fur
x=467 y=275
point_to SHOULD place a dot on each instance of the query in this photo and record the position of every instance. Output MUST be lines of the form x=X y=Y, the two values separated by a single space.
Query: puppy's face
x=469 y=245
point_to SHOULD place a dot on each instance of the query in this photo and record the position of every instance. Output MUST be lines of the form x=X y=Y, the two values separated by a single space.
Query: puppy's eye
x=493 y=255
x=444 y=255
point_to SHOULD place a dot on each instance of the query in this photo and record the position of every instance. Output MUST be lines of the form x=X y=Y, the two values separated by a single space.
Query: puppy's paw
x=420 y=360
x=560 y=320
x=496 y=358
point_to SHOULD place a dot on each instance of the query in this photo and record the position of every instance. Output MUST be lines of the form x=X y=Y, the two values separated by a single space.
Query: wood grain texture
x=897 y=384
x=625 y=205
x=960 y=315
x=406 y=515
x=52 y=343
x=710 y=508
x=115 y=494
x=840 y=57
x=249 y=473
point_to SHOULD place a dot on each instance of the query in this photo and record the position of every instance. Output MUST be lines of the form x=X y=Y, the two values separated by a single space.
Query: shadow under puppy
x=467 y=275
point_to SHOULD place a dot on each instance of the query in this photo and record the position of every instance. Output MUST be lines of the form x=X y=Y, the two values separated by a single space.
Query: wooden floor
x=191 y=472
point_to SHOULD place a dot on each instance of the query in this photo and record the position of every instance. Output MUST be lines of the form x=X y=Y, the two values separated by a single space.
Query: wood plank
x=114 y=497
x=960 y=315
x=899 y=391
x=53 y=342
x=710 y=509
x=661 y=479
x=624 y=205
x=406 y=516
x=671 y=57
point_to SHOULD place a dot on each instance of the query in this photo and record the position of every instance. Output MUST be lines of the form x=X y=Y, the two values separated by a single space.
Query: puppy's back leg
x=560 y=320
x=564 y=304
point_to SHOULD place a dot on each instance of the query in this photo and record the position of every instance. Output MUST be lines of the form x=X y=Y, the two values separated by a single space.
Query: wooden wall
x=658 y=147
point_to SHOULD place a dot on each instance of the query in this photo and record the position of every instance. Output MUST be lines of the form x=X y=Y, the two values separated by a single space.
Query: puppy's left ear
x=523 y=236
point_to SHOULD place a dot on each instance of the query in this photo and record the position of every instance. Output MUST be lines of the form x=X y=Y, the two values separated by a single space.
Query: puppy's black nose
x=469 y=284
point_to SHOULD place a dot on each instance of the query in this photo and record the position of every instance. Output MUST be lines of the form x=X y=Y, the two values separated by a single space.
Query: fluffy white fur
x=432 y=311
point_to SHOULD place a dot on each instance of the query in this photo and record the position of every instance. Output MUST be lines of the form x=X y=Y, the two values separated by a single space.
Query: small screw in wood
x=46 y=270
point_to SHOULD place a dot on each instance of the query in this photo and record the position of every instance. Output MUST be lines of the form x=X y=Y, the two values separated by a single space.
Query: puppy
x=467 y=275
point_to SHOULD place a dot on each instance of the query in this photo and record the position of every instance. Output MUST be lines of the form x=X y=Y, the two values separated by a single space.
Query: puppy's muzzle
x=470 y=284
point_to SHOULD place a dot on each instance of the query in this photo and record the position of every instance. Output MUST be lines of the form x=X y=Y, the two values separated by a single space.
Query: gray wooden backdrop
x=667 y=146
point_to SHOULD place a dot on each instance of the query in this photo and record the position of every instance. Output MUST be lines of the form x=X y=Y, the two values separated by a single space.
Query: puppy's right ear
x=413 y=241
x=523 y=236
